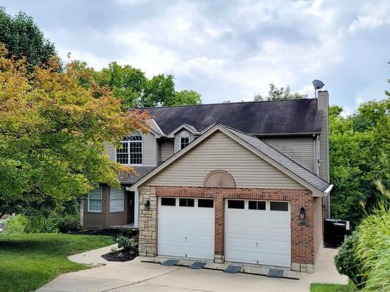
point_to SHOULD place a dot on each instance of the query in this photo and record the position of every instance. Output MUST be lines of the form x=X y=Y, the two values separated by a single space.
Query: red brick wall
x=302 y=236
x=318 y=225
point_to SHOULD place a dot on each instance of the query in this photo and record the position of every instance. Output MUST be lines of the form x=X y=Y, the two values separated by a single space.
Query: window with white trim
x=184 y=139
x=95 y=201
x=117 y=200
x=131 y=150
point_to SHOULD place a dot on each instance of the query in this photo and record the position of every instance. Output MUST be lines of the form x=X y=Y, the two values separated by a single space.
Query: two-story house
x=241 y=182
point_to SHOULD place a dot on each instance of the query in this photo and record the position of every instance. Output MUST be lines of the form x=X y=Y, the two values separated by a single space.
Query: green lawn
x=317 y=287
x=29 y=261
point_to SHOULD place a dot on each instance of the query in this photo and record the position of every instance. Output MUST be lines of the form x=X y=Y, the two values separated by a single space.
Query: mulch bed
x=119 y=256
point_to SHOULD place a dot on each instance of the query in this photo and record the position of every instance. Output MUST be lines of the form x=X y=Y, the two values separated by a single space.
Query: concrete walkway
x=140 y=276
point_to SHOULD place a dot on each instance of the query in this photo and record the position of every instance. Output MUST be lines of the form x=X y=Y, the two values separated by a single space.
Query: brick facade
x=303 y=250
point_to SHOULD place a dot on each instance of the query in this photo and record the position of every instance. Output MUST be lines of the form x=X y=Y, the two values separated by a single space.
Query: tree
x=23 y=38
x=126 y=82
x=359 y=155
x=187 y=97
x=52 y=135
x=131 y=85
x=160 y=90
x=281 y=93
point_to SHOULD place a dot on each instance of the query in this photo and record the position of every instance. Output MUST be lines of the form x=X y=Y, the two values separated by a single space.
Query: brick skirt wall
x=302 y=235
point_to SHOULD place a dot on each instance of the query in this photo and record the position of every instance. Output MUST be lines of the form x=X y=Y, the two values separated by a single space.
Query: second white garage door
x=258 y=232
x=186 y=227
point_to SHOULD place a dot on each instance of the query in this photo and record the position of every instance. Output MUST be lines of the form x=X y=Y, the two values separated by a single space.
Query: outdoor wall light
x=302 y=218
x=302 y=213
x=147 y=205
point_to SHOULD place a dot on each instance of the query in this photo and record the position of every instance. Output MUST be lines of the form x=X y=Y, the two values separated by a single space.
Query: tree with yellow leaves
x=52 y=134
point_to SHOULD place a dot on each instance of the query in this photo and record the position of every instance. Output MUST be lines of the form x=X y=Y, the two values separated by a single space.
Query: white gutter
x=327 y=191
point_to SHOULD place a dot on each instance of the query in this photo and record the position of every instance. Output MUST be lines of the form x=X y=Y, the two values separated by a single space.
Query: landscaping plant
x=373 y=245
x=347 y=262
x=365 y=255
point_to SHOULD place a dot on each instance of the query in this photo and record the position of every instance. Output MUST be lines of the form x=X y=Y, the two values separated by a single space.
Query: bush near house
x=347 y=262
x=365 y=256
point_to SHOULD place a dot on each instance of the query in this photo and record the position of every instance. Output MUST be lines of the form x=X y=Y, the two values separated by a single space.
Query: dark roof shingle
x=298 y=116
x=141 y=171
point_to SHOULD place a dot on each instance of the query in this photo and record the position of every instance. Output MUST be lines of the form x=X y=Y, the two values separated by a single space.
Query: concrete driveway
x=139 y=276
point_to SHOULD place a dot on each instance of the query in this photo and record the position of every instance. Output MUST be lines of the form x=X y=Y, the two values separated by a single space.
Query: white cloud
x=371 y=16
x=230 y=49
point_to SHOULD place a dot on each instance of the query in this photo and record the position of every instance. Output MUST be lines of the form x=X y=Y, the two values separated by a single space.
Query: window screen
x=95 y=200
x=117 y=200
x=184 y=142
x=131 y=150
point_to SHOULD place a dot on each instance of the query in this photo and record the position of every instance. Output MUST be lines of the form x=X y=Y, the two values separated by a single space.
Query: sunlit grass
x=30 y=261
x=319 y=287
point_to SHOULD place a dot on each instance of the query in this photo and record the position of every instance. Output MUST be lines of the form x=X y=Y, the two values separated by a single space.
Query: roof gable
x=259 y=148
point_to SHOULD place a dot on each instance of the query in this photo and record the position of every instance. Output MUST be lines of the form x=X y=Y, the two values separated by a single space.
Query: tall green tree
x=23 y=38
x=359 y=155
x=126 y=82
x=52 y=135
x=135 y=90
x=160 y=90
x=281 y=93
x=187 y=97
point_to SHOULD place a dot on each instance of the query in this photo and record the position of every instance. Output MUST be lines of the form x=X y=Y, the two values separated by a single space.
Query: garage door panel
x=259 y=236
x=186 y=231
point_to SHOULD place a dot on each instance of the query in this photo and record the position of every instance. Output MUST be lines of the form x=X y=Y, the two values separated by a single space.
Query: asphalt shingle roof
x=141 y=172
x=298 y=116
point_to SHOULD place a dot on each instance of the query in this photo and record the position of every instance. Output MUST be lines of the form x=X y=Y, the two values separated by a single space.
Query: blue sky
x=229 y=50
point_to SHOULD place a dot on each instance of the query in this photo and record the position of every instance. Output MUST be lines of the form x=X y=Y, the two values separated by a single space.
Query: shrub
x=373 y=250
x=347 y=262
x=128 y=244
x=53 y=223
x=15 y=225
x=42 y=224
x=69 y=223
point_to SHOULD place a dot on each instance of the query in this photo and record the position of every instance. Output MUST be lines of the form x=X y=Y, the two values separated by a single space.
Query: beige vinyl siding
x=177 y=139
x=166 y=148
x=221 y=152
x=149 y=150
x=300 y=149
x=110 y=151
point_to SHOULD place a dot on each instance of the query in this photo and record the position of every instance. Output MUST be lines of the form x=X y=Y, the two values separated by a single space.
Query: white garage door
x=186 y=227
x=258 y=232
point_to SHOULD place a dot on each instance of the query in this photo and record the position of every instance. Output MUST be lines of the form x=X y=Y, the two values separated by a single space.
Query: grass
x=31 y=260
x=318 y=287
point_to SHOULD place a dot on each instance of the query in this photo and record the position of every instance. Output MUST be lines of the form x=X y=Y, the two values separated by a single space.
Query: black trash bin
x=335 y=231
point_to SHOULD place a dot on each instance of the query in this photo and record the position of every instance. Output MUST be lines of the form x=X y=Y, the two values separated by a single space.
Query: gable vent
x=219 y=179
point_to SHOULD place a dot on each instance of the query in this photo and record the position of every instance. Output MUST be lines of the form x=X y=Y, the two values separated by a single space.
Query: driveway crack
x=141 y=281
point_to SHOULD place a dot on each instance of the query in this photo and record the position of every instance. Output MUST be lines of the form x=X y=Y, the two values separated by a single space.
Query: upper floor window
x=95 y=201
x=131 y=150
x=184 y=139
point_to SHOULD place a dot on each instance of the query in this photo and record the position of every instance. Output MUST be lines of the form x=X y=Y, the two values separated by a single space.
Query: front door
x=130 y=207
